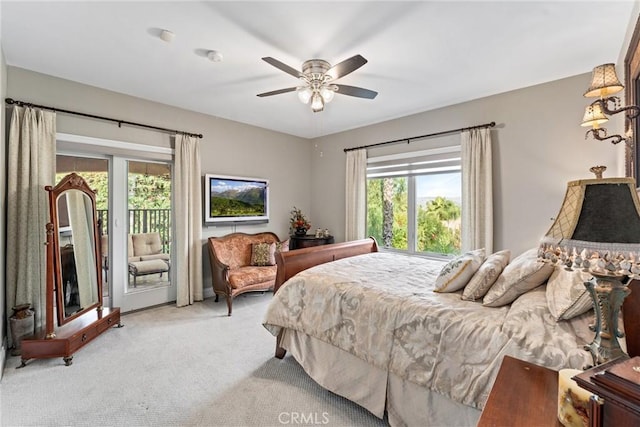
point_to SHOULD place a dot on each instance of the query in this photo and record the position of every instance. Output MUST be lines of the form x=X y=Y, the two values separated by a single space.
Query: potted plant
x=298 y=222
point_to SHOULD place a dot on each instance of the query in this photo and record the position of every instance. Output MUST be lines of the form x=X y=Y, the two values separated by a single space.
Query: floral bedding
x=381 y=308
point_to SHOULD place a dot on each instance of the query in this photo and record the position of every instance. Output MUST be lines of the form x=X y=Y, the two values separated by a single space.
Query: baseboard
x=208 y=292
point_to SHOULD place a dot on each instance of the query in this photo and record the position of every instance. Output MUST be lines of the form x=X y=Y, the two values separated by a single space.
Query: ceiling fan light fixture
x=316 y=81
x=317 y=104
x=304 y=94
x=327 y=93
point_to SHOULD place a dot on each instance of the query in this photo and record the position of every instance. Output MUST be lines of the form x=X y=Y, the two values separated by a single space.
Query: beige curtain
x=31 y=166
x=355 y=195
x=188 y=220
x=477 y=190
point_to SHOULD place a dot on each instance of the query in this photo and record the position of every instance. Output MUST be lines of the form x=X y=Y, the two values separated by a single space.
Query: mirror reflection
x=78 y=280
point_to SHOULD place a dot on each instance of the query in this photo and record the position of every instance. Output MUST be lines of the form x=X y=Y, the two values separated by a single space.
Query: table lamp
x=598 y=230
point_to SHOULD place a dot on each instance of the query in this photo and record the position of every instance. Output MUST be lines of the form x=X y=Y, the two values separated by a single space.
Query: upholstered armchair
x=237 y=264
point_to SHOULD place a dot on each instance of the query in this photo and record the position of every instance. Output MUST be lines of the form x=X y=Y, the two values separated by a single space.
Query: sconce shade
x=593 y=116
x=604 y=82
x=601 y=215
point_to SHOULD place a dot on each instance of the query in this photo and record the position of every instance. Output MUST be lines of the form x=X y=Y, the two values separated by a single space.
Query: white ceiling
x=422 y=54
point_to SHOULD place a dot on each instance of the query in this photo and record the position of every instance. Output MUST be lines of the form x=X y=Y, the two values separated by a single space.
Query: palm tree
x=445 y=209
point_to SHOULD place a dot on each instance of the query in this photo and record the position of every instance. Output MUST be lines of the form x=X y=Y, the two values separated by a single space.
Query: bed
x=368 y=326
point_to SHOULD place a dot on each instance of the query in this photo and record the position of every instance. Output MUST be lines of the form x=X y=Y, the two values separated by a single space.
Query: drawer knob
x=84 y=337
x=109 y=320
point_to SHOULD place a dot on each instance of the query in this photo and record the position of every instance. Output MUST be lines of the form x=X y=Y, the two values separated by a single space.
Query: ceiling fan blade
x=345 y=67
x=356 y=91
x=278 y=92
x=282 y=66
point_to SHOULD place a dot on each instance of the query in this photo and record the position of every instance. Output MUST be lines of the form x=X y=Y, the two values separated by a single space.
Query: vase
x=21 y=324
x=301 y=231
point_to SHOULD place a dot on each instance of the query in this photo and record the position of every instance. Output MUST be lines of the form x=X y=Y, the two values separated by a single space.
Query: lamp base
x=607 y=293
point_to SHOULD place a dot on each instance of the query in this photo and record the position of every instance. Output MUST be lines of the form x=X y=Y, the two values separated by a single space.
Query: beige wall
x=538 y=145
x=228 y=147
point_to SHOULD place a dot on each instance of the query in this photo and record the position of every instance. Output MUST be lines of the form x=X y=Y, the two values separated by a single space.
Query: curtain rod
x=92 y=116
x=408 y=140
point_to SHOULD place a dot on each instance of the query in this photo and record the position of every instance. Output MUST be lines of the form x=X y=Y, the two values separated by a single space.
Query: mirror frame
x=632 y=83
x=72 y=181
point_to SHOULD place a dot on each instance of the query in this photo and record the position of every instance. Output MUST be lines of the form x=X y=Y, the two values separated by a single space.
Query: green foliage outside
x=98 y=182
x=438 y=221
x=439 y=227
x=145 y=191
x=246 y=202
x=149 y=191
x=221 y=206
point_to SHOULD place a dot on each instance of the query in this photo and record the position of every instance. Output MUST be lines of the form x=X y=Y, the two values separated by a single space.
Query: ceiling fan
x=317 y=77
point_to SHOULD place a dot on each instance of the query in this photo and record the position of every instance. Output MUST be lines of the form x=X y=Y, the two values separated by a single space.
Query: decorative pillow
x=263 y=254
x=567 y=296
x=458 y=271
x=282 y=246
x=522 y=274
x=486 y=275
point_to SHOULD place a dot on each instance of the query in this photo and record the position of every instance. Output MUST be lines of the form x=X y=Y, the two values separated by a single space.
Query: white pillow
x=457 y=272
x=486 y=275
x=522 y=274
x=567 y=297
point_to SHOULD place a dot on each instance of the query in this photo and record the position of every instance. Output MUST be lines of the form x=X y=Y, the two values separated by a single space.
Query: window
x=414 y=201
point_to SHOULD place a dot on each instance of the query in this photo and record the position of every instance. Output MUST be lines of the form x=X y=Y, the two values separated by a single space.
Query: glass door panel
x=149 y=225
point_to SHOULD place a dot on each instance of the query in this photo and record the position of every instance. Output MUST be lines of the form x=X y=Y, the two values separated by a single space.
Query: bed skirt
x=376 y=390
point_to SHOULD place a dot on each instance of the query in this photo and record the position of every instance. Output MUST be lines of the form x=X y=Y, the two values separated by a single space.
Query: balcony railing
x=144 y=221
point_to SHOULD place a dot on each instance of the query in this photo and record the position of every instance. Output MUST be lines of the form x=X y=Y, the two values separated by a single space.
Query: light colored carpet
x=169 y=366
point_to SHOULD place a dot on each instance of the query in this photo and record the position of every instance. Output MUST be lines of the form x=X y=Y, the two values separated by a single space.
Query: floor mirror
x=74 y=311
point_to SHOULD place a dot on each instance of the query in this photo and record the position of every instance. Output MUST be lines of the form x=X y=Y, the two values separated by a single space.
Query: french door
x=134 y=204
x=142 y=230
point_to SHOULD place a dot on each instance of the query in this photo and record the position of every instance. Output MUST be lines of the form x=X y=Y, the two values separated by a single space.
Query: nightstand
x=617 y=385
x=299 y=242
x=523 y=394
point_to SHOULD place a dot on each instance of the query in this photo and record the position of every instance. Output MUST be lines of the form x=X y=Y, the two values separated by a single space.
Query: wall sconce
x=604 y=83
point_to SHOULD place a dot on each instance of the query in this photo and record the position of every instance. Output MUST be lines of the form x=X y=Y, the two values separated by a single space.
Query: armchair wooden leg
x=216 y=300
x=229 y=304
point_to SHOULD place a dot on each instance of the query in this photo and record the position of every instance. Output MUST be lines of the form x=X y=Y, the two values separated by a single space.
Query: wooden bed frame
x=291 y=262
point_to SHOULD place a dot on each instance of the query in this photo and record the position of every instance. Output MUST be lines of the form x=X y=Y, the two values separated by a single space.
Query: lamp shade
x=317 y=104
x=604 y=82
x=327 y=94
x=304 y=94
x=599 y=220
x=593 y=116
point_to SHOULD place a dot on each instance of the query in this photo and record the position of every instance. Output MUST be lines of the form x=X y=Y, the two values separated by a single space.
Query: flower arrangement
x=298 y=221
